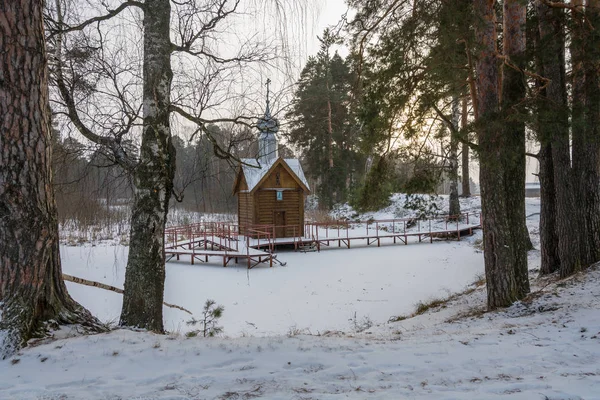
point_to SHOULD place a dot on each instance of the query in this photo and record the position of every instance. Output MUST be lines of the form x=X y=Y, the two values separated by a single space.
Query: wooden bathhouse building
x=271 y=190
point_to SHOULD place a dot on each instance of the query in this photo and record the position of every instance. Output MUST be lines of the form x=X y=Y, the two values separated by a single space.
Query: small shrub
x=360 y=325
x=424 y=205
x=209 y=322
x=294 y=331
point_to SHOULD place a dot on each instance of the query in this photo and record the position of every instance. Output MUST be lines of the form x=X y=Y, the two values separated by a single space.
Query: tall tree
x=465 y=172
x=550 y=260
x=32 y=291
x=502 y=286
x=454 y=206
x=554 y=132
x=580 y=155
x=585 y=55
x=513 y=96
x=323 y=125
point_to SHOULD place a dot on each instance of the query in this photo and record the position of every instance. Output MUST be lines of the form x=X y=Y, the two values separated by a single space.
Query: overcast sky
x=329 y=14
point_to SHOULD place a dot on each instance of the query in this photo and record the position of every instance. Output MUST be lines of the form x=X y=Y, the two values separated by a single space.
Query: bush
x=424 y=205
x=377 y=188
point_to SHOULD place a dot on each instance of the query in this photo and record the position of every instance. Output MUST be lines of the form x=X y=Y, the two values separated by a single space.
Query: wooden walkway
x=202 y=241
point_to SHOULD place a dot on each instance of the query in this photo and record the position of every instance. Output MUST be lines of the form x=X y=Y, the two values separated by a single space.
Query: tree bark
x=32 y=291
x=153 y=178
x=502 y=287
x=513 y=94
x=548 y=238
x=548 y=233
x=454 y=206
x=554 y=128
x=466 y=176
x=589 y=175
x=581 y=156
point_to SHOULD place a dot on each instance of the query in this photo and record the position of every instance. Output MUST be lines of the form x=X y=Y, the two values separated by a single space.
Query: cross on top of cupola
x=268 y=127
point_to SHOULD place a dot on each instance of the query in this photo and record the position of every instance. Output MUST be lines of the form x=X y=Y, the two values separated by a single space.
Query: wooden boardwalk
x=202 y=241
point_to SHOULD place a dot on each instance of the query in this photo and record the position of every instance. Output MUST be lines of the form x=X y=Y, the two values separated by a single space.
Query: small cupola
x=268 y=127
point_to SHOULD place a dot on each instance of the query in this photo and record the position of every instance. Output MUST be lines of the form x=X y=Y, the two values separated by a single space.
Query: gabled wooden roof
x=254 y=174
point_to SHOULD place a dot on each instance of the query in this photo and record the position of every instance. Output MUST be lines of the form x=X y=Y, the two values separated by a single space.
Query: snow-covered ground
x=547 y=347
x=314 y=292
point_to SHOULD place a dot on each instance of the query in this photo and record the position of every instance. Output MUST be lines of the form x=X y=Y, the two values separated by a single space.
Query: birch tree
x=184 y=35
x=33 y=296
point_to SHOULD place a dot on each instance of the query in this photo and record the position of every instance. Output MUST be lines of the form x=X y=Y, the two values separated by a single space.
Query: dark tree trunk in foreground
x=548 y=238
x=578 y=128
x=153 y=178
x=466 y=177
x=589 y=178
x=32 y=291
x=502 y=289
x=554 y=128
x=513 y=94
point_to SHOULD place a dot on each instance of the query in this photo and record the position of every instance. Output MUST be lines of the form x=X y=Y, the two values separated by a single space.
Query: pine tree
x=32 y=292
x=322 y=124
x=498 y=234
x=554 y=132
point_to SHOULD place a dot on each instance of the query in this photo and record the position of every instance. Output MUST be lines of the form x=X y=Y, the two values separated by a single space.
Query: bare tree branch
x=62 y=28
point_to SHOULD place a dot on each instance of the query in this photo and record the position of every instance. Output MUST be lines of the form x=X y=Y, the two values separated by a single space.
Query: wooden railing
x=219 y=234
x=227 y=236
x=341 y=228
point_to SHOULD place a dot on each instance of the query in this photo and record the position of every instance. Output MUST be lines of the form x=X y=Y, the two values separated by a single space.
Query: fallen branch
x=104 y=286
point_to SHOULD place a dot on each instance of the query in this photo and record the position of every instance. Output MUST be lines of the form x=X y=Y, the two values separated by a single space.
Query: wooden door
x=279 y=220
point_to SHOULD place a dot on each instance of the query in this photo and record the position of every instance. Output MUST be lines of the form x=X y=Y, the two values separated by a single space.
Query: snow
x=314 y=292
x=291 y=332
x=398 y=209
x=548 y=348
x=254 y=172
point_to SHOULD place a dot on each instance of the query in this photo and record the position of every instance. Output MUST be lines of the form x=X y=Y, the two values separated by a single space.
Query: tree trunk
x=578 y=128
x=329 y=127
x=32 y=292
x=153 y=178
x=454 y=208
x=502 y=287
x=466 y=176
x=513 y=93
x=589 y=177
x=555 y=128
x=548 y=238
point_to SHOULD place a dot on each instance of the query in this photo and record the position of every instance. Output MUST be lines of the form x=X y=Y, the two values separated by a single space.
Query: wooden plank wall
x=245 y=211
x=267 y=204
x=245 y=207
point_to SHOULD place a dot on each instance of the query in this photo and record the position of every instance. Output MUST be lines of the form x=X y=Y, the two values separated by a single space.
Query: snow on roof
x=254 y=172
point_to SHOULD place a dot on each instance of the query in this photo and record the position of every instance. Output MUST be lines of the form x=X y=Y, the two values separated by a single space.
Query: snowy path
x=549 y=349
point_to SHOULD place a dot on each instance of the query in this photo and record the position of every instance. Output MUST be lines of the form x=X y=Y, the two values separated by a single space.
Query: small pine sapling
x=209 y=322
